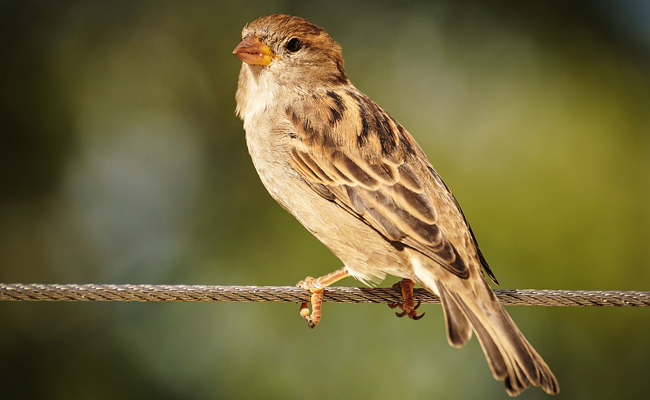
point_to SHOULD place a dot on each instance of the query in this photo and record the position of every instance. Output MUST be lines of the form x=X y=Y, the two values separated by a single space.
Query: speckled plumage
x=358 y=181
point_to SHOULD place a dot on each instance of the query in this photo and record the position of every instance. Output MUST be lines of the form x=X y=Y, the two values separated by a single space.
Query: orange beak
x=252 y=51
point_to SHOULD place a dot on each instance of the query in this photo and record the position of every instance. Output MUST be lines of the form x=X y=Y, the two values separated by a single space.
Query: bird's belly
x=366 y=254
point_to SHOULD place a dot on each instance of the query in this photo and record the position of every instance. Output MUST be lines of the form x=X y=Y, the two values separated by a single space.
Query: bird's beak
x=252 y=51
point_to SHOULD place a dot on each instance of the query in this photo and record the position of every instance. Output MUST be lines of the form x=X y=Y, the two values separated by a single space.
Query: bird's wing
x=354 y=154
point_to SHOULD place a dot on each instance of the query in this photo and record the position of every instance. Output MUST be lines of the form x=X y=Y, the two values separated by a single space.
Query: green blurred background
x=121 y=161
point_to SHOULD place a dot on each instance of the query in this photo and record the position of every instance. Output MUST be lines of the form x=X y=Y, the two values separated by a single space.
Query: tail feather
x=511 y=358
x=459 y=330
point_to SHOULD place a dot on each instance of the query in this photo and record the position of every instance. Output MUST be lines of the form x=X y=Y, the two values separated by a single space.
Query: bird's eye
x=294 y=45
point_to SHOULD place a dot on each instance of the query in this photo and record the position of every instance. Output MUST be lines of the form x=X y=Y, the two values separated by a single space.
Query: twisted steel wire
x=292 y=294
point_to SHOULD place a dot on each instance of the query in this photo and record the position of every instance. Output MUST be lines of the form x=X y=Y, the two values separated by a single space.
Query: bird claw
x=408 y=306
x=312 y=317
x=316 y=286
x=412 y=314
x=304 y=312
x=417 y=317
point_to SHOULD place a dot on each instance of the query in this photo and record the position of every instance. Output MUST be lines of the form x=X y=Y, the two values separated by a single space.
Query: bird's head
x=291 y=50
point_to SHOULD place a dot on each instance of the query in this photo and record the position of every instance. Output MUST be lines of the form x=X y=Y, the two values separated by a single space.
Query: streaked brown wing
x=383 y=192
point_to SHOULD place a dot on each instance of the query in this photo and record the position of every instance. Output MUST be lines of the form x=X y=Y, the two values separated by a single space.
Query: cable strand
x=292 y=294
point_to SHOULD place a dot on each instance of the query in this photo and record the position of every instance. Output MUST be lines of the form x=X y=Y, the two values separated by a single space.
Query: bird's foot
x=408 y=306
x=316 y=286
x=313 y=317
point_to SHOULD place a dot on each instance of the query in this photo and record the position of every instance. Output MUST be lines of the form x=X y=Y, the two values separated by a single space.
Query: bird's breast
x=366 y=254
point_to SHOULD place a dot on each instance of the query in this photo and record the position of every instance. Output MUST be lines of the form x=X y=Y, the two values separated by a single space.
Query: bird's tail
x=510 y=356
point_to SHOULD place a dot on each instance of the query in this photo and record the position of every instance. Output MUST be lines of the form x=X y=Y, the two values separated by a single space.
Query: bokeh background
x=121 y=161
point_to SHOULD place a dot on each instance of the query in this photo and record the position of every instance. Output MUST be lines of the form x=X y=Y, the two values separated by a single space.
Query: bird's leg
x=316 y=286
x=408 y=306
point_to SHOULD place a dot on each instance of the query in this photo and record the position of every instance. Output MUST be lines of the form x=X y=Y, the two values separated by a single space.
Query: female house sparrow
x=358 y=181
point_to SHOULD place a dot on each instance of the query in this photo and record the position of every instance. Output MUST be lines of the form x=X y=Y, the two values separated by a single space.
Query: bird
x=360 y=183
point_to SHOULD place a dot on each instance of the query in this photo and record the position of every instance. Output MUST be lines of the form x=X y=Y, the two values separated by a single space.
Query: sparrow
x=359 y=182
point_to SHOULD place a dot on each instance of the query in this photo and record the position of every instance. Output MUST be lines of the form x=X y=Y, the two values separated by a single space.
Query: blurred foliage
x=121 y=161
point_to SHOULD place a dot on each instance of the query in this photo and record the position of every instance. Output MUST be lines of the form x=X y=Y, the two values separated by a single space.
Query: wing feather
x=374 y=183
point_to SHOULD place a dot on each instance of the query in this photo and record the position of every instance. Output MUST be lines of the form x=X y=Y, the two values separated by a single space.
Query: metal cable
x=292 y=294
